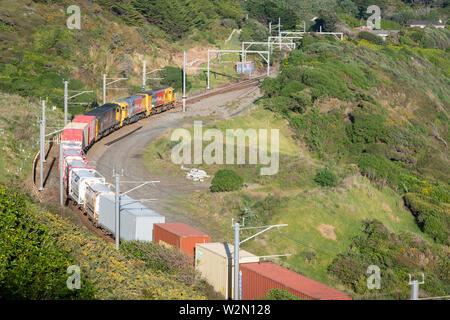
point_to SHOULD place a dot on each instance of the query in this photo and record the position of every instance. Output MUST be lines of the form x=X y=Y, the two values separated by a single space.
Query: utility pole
x=270 y=28
x=61 y=172
x=43 y=122
x=304 y=26
x=236 y=261
x=279 y=30
x=144 y=74
x=117 y=201
x=268 y=58
x=105 y=85
x=237 y=243
x=415 y=287
x=117 y=209
x=42 y=154
x=240 y=285
x=207 y=86
x=104 y=88
x=66 y=98
x=184 y=81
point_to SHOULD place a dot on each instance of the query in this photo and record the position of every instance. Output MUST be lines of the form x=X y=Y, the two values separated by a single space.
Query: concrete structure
x=424 y=23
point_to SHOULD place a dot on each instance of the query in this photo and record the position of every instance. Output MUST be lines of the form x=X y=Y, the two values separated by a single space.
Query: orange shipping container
x=258 y=278
x=179 y=235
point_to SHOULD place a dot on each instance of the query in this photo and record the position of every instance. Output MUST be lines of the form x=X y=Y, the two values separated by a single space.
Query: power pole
x=236 y=261
x=240 y=285
x=105 y=85
x=43 y=122
x=237 y=243
x=184 y=81
x=207 y=86
x=144 y=74
x=415 y=287
x=279 y=30
x=66 y=98
x=42 y=154
x=117 y=209
x=104 y=88
x=61 y=173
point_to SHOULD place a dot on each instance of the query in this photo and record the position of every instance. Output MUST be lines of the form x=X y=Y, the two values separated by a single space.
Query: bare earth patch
x=386 y=208
x=327 y=231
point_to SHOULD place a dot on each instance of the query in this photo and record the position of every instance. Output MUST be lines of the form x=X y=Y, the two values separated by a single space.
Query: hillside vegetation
x=364 y=164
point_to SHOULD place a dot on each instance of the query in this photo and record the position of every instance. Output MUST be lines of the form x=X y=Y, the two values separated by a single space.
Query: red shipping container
x=258 y=278
x=91 y=121
x=179 y=235
x=73 y=135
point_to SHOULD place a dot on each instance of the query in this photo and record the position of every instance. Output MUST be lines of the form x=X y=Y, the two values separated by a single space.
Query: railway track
x=253 y=82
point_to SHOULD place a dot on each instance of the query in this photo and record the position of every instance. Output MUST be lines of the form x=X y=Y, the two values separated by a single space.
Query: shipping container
x=67 y=144
x=91 y=121
x=70 y=155
x=258 y=278
x=215 y=262
x=246 y=68
x=179 y=235
x=75 y=136
x=92 y=198
x=78 y=180
x=136 y=220
x=70 y=165
x=80 y=126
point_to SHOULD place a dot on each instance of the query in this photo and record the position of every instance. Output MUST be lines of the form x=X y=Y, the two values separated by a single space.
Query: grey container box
x=136 y=220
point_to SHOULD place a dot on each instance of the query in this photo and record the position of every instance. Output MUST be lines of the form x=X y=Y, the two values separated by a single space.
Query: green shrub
x=33 y=265
x=430 y=217
x=326 y=178
x=396 y=255
x=278 y=294
x=367 y=128
x=370 y=37
x=291 y=88
x=226 y=180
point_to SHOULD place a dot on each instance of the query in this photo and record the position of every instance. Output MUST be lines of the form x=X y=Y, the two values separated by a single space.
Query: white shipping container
x=136 y=220
x=215 y=262
x=78 y=179
x=92 y=198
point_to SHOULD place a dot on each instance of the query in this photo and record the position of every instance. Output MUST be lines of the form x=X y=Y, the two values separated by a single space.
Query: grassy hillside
x=39 y=52
x=377 y=117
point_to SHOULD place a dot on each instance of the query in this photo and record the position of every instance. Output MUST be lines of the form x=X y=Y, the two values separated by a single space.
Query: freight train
x=85 y=186
x=88 y=190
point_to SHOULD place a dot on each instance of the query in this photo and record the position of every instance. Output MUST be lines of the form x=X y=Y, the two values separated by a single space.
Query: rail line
x=224 y=89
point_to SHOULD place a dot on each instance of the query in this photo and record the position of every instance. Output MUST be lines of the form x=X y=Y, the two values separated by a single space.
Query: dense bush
x=370 y=37
x=173 y=77
x=367 y=127
x=431 y=218
x=396 y=255
x=33 y=265
x=326 y=178
x=226 y=180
